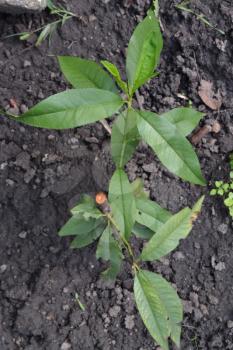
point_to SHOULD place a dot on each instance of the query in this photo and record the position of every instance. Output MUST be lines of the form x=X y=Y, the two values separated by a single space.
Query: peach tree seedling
x=127 y=210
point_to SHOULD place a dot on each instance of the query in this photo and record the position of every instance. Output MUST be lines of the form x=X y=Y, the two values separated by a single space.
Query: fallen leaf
x=206 y=93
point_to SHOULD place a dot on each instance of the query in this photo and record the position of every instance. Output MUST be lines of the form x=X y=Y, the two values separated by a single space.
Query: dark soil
x=42 y=174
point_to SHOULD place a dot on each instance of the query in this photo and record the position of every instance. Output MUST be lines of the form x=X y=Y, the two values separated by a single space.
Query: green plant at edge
x=127 y=210
x=184 y=7
x=225 y=189
x=48 y=29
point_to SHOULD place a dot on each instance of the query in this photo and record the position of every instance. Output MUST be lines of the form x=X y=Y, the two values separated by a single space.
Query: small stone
x=13 y=110
x=129 y=322
x=164 y=261
x=217 y=266
x=23 y=234
x=178 y=256
x=23 y=108
x=65 y=346
x=213 y=300
x=197 y=245
x=92 y=140
x=197 y=315
x=188 y=308
x=3 y=268
x=28 y=176
x=26 y=64
x=223 y=228
x=150 y=168
x=220 y=266
x=194 y=298
x=204 y=309
x=66 y=307
x=41 y=95
x=92 y=18
x=114 y=311
x=21 y=6
x=51 y=137
x=10 y=182
x=216 y=342
x=23 y=160
x=230 y=324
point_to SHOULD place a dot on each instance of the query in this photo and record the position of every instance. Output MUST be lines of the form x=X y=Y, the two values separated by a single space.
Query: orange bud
x=100 y=198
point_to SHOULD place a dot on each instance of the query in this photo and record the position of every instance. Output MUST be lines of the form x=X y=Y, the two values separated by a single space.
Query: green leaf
x=159 y=306
x=84 y=239
x=83 y=74
x=185 y=119
x=171 y=147
x=141 y=231
x=213 y=192
x=150 y=214
x=155 y=8
x=25 y=36
x=77 y=225
x=125 y=137
x=143 y=52
x=122 y=202
x=138 y=189
x=168 y=236
x=87 y=208
x=112 y=69
x=151 y=308
x=109 y=250
x=72 y=108
x=47 y=30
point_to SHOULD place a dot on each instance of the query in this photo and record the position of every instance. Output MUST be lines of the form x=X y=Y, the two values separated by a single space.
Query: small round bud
x=100 y=198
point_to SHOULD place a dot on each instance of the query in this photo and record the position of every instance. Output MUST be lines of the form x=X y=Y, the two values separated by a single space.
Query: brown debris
x=206 y=93
x=206 y=129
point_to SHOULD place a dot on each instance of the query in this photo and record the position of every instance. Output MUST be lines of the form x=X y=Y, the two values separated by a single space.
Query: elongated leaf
x=185 y=119
x=125 y=137
x=143 y=52
x=151 y=309
x=150 y=214
x=72 y=108
x=138 y=189
x=168 y=236
x=83 y=74
x=87 y=208
x=157 y=291
x=122 y=202
x=171 y=147
x=85 y=239
x=141 y=231
x=47 y=30
x=112 y=69
x=109 y=250
x=77 y=225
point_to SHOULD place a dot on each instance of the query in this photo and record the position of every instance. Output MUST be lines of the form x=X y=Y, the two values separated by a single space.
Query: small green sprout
x=80 y=304
x=47 y=30
x=184 y=6
x=225 y=189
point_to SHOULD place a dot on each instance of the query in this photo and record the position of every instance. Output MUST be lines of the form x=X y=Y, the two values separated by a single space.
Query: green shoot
x=47 y=30
x=184 y=6
x=225 y=189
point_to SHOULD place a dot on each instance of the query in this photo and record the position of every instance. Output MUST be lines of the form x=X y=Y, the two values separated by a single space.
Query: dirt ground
x=42 y=174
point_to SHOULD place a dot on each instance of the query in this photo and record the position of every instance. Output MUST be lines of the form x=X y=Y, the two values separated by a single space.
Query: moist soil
x=43 y=173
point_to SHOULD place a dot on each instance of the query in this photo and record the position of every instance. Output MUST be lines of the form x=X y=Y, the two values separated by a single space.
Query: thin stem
x=8 y=114
x=121 y=237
